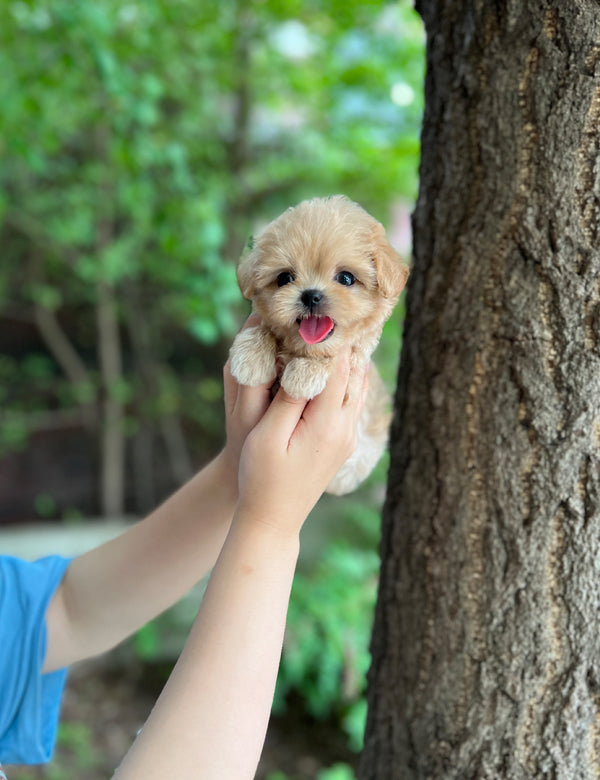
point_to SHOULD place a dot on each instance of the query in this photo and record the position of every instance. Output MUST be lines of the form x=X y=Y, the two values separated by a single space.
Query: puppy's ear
x=391 y=271
x=246 y=270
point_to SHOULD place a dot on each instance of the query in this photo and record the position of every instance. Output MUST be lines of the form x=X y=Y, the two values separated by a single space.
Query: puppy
x=321 y=275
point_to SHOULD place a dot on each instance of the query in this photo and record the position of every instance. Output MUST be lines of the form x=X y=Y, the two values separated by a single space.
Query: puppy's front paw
x=304 y=378
x=253 y=357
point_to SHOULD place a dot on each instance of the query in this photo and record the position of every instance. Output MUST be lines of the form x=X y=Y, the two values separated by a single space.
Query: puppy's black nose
x=311 y=298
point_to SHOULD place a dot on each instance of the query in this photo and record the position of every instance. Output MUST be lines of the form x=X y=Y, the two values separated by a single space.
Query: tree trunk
x=69 y=360
x=486 y=644
x=150 y=372
x=112 y=478
x=113 y=444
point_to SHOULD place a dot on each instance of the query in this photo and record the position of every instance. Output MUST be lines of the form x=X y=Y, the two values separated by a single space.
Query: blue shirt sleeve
x=29 y=700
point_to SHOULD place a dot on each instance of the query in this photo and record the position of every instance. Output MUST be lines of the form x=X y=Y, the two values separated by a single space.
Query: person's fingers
x=252 y=402
x=356 y=385
x=230 y=387
x=252 y=321
x=364 y=390
x=253 y=398
x=356 y=398
x=286 y=411
x=331 y=399
x=283 y=415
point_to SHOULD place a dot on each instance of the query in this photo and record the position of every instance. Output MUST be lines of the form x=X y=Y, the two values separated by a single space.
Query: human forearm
x=212 y=716
x=111 y=591
x=210 y=721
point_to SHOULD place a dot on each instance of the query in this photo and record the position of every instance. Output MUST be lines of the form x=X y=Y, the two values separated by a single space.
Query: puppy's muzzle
x=311 y=298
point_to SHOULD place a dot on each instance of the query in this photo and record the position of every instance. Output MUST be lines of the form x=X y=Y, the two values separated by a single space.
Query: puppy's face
x=322 y=274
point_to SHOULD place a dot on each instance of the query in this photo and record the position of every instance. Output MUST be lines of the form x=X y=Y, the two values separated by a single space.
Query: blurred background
x=140 y=145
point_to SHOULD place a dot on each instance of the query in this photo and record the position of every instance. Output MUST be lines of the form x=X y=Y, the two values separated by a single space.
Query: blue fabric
x=29 y=700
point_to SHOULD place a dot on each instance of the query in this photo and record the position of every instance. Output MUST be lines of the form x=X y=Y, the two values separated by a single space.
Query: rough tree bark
x=486 y=644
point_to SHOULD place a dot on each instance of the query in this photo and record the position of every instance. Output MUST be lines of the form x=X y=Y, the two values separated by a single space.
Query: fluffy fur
x=321 y=275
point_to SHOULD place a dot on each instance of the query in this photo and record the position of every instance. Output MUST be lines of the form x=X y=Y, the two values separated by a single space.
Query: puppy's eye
x=345 y=278
x=285 y=277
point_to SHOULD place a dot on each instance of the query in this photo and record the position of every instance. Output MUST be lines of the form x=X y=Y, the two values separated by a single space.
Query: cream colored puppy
x=320 y=276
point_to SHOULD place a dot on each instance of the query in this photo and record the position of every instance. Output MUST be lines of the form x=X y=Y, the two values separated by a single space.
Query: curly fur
x=314 y=245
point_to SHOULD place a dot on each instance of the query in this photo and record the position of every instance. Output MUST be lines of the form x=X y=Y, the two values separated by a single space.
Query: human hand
x=244 y=407
x=296 y=449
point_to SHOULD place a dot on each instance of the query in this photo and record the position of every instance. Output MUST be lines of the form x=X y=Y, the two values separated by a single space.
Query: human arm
x=111 y=591
x=210 y=721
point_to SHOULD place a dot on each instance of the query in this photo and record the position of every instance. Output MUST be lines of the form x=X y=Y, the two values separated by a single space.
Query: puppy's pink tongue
x=315 y=329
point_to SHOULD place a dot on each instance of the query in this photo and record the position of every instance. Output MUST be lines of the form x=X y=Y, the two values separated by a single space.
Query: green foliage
x=388 y=350
x=45 y=505
x=146 y=641
x=337 y=772
x=141 y=143
x=100 y=138
x=76 y=740
x=326 y=655
x=77 y=755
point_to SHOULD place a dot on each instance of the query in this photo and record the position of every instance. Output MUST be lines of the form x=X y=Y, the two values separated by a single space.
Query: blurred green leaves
x=326 y=654
x=134 y=138
x=140 y=143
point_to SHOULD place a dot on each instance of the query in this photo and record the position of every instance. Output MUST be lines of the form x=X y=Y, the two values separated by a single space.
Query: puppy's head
x=322 y=274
